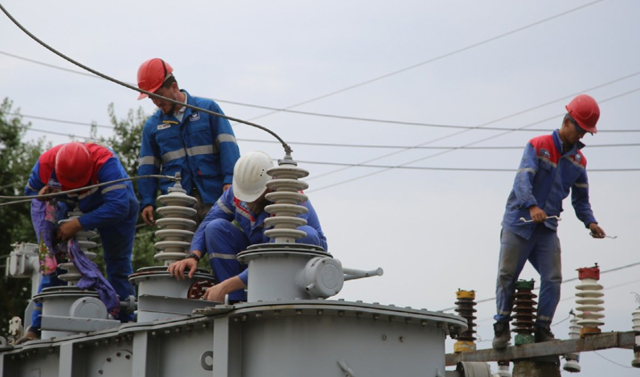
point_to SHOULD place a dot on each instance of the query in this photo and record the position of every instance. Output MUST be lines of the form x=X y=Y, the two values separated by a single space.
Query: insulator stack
x=589 y=301
x=524 y=309
x=286 y=198
x=177 y=225
x=572 y=363
x=503 y=369
x=636 y=349
x=465 y=308
x=72 y=276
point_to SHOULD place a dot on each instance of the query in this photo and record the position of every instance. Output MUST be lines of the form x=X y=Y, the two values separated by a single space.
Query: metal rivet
x=108 y=359
x=384 y=337
x=100 y=371
x=320 y=312
x=401 y=338
x=375 y=317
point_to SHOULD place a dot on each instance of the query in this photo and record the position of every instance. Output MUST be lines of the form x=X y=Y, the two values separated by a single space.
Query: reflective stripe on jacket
x=544 y=178
x=202 y=148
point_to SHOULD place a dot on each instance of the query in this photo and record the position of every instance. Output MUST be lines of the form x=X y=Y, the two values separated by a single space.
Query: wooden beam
x=558 y=347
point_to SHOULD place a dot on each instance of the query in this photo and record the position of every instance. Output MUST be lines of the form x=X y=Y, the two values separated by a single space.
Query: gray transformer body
x=280 y=338
x=287 y=327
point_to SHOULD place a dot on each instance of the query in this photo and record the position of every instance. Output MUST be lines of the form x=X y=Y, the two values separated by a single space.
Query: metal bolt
x=423 y=323
x=276 y=313
x=298 y=312
x=341 y=313
x=401 y=339
x=320 y=312
x=127 y=357
x=375 y=317
x=153 y=333
x=258 y=315
x=118 y=354
x=100 y=371
x=108 y=359
x=384 y=337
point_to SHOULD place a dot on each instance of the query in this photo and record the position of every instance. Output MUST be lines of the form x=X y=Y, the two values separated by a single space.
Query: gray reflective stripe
x=500 y=312
x=114 y=187
x=223 y=207
x=225 y=138
x=547 y=160
x=543 y=318
x=84 y=195
x=581 y=185
x=224 y=256
x=31 y=188
x=149 y=160
x=525 y=170
x=170 y=156
x=202 y=149
x=575 y=163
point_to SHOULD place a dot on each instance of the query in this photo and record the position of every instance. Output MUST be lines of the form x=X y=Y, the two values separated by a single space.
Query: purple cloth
x=92 y=278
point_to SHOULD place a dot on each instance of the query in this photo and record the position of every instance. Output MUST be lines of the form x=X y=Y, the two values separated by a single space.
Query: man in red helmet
x=551 y=167
x=111 y=209
x=176 y=139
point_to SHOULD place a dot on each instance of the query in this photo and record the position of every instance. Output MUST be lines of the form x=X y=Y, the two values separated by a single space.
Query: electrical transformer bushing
x=524 y=307
x=572 y=363
x=68 y=310
x=636 y=327
x=589 y=301
x=465 y=307
x=160 y=295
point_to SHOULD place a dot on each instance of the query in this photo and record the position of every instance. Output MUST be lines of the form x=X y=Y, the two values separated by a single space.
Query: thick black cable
x=286 y=147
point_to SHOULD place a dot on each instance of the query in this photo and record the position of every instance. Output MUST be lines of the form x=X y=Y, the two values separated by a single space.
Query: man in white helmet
x=235 y=222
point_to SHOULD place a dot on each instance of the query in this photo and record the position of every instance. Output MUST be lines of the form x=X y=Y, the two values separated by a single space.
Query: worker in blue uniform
x=111 y=209
x=552 y=166
x=176 y=139
x=235 y=222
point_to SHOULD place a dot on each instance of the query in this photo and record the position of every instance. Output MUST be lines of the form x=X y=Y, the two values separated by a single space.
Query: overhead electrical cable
x=288 y=109
x=440 y=57
x=443 y=152
x=286 y=147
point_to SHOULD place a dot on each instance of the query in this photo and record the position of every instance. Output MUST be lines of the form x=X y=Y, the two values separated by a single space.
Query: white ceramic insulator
x=177 y=226
x=574 y=328
x=589 y=303
x=503 y=371
x=636 y=320
x=286 y=196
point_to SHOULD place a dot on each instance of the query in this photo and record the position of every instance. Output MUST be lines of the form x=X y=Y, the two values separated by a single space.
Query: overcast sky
x=513 y=65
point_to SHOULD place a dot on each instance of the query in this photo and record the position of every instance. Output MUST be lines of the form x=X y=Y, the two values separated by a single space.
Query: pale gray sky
x=432 y=231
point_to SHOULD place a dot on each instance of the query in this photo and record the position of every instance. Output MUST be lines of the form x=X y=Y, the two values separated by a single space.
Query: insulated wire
x=286 y=147
x=444 y=152
x=287 y=109
x=29 y=198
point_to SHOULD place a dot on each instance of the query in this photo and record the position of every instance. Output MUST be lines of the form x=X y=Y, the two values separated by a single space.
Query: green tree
x=16 y=161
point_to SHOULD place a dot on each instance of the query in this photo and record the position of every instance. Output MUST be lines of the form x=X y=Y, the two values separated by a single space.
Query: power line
x=288 y=109
x=613 y=362
x=447 y=151
x=469 y=47
x=442 y=168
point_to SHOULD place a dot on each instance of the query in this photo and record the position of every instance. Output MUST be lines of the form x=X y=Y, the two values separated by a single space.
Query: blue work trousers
x=543 y=251
x=224 y=241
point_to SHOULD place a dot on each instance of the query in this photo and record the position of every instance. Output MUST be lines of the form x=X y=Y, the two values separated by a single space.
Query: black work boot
x=543 y=334
x=502 y=335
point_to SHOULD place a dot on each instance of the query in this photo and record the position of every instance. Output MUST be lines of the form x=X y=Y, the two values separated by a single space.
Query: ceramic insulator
x=177 y=225
x=73 y=275
x=589 y=304
x=286 y=196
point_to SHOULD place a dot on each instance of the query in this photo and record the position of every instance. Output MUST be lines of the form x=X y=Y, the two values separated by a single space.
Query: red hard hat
x=73 y=165
x=585 y=111
x=152 y=74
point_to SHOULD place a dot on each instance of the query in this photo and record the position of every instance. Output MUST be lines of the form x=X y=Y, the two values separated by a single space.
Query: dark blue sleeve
x=114 y=196
x=222 y=209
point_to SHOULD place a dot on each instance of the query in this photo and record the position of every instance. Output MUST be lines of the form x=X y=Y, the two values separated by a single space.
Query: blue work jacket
x=230 y=208
x=544 y=178
x=201 y=147
x=105 y=206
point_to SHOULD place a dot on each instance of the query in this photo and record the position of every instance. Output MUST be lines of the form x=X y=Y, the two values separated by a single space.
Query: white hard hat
x=250 y=176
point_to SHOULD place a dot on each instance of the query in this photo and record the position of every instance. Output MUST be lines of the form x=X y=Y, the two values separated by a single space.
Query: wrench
x=548 y=217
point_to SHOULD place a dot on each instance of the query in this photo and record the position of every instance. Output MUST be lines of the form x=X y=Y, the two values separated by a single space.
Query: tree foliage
x=17 y=158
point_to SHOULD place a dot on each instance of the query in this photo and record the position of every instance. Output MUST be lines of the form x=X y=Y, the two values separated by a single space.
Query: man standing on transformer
x=176 y=139
x=552 y=165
